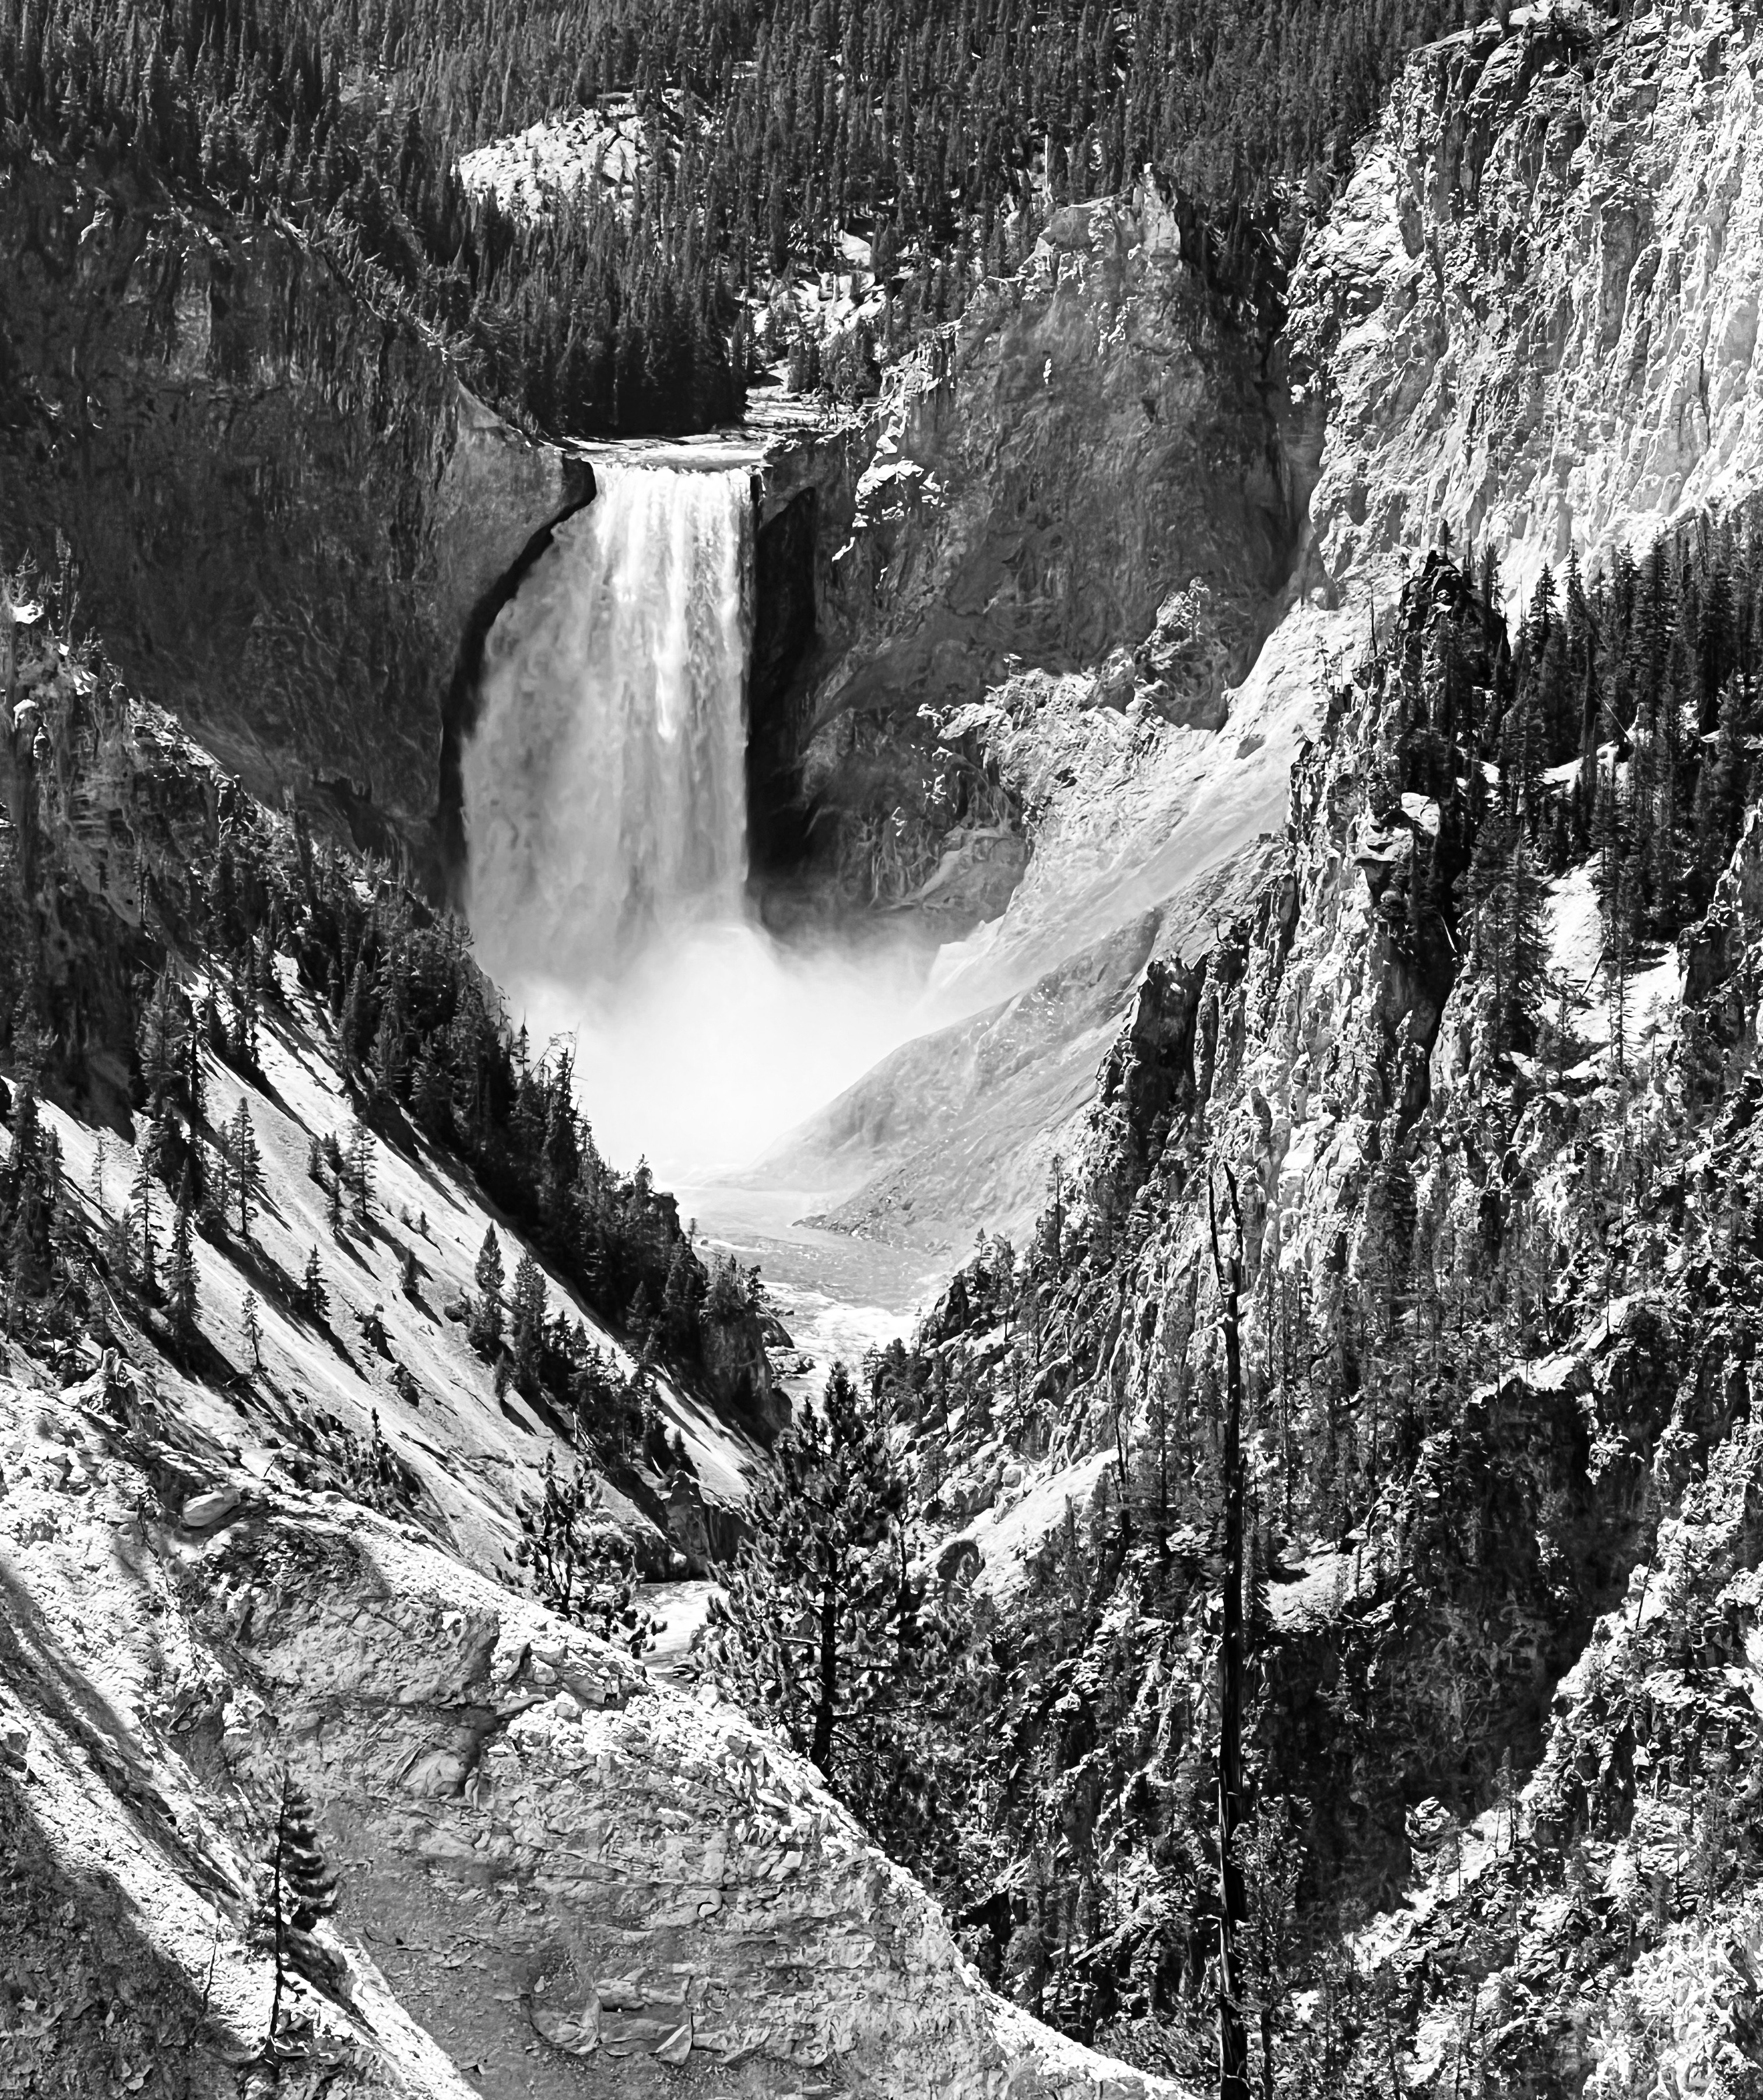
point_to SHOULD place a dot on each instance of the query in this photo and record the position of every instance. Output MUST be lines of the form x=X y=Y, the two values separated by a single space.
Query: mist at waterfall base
x=605 y=799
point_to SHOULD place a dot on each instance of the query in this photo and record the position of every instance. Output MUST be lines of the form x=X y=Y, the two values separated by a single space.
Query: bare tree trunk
x=275 y=1900
x=1233 y=2043
x=820 y=1751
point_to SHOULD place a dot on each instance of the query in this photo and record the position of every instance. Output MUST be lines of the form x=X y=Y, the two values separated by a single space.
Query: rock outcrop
x=556 y=1876
x=1092 y=464
x=1533 y=314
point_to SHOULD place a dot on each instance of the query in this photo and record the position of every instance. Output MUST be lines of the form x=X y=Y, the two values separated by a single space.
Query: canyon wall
x=285 y=512
x=1528 y=321
x=1092 y=474
x=1532 y=317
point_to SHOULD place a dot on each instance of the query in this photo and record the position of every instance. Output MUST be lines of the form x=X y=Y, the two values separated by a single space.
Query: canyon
x=1013 y=800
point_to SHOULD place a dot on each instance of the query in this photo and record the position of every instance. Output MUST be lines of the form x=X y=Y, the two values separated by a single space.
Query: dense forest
x=942 y=136
x=1382 y=1422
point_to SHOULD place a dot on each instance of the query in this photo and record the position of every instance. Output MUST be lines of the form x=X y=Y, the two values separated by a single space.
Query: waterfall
x=605 y=783
x=605 y=830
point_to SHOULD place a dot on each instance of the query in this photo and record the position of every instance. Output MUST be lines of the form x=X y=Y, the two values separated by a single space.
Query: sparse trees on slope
x=576 y=1560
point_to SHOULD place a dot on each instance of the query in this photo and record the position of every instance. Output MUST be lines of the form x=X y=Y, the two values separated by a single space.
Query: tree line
x=944 y=137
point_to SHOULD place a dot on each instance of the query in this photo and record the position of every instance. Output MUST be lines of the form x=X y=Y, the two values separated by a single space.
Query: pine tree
x=389 y=1065
x=486 y=1327
x=302 y=1891
x=640 y=1323
x=159 y=1041
x=315 y=1299
x=251 y=1326
x=526 y=1320
x=247 y=1164
x=578 y=1562
x=355 y=1022
x=181 y=1282
x=141 y=1217
x=359 y=1159
x=243 y=1039
x=816 y=1619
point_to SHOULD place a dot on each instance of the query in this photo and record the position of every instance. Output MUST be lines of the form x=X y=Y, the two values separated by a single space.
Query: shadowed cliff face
x=1045 y=490
x=282 y=506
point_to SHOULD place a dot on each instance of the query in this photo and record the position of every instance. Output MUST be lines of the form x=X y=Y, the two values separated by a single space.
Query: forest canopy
x=942 y=135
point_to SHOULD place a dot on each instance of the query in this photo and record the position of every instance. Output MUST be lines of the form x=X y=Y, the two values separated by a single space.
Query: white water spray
x=604 y=804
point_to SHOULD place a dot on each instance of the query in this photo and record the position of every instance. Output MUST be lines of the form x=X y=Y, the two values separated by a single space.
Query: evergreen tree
x=243 y=1041
x=181 y=1282
x=246 y=1162
x=577 y=1562
x=141 y=1217
x=486 y=1327
x=251 y=1327
x=315 y=1299
x=159 y=1042
x=359 y=1165
x=526 y=1320
x=818 y=1620
x=301 y=1891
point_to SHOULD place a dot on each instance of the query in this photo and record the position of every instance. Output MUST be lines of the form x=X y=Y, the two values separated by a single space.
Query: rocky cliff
x=1094 y=460
x=287 y=514
x=1532 y=317
x=1528 y=321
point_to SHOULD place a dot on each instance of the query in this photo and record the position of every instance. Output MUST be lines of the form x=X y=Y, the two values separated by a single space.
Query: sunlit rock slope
x=558 y=1876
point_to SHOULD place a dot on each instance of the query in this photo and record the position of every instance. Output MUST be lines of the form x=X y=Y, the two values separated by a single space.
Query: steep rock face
x=555 y=1874
x=1090 y=463
x=1529 y=320
x=1534 y=309
x=285 y=509
x=1493 y=1670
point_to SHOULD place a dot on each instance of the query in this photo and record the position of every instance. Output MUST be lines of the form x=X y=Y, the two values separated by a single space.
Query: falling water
x=606 y=801
x=606 y=827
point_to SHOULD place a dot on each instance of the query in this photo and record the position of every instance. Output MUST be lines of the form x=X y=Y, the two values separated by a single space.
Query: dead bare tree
x=1233 y=1901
